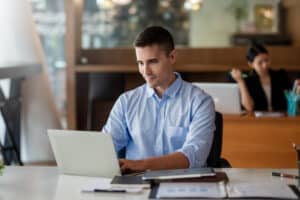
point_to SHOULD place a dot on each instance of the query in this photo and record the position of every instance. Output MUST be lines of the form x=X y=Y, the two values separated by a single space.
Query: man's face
x=155 y=65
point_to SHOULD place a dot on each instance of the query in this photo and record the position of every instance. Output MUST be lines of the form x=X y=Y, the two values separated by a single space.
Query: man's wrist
x=144 y=164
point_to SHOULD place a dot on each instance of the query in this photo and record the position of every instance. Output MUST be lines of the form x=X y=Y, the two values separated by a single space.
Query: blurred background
x=82 y=51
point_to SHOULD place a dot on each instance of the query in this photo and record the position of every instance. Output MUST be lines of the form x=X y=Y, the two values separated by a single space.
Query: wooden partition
x=261 y=142
x=188 y=59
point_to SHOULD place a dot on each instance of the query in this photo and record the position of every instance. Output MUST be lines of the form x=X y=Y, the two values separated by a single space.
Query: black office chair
x=214 y=158
x=103 y=87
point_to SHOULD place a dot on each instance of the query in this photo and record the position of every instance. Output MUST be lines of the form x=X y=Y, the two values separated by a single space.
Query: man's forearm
x=175 y=160
x=172 y=161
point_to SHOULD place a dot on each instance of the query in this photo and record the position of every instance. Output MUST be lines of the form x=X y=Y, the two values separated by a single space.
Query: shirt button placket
x=161 y=123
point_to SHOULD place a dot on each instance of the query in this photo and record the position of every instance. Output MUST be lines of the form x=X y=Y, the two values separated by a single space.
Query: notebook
x=129 y=182
x=178 y=173
x=219 y=177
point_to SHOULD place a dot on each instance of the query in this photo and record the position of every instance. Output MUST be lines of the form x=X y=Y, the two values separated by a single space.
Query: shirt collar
x=170 y=91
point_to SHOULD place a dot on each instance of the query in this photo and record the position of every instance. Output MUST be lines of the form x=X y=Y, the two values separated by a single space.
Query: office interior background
x=89 y=61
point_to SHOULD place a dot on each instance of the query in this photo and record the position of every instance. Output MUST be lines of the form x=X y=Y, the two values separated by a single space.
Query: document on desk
x=99 y=183
x=103 y=185
x=191 y=190
x=277 y=190
x=268 y=114
x=221 y=190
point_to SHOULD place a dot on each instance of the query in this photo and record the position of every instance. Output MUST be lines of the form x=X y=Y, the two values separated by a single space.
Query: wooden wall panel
x=292 y=27
x=191 y=59
x=73 y=11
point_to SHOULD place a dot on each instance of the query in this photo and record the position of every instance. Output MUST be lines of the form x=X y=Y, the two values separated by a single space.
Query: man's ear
x=172 y=56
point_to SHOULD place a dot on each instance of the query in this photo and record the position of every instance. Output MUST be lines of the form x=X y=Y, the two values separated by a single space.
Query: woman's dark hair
x=155 y=35
x=254 y=50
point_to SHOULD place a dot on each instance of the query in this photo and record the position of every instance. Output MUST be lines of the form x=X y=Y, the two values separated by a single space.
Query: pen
x=296 y=84
x=101 y=190
x=244 y=75
x=104 y=190
x=285 y=175
x=113 y=190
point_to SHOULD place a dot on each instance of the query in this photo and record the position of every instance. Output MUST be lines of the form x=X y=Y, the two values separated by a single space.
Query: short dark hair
x=155 y=35
x=254 y=50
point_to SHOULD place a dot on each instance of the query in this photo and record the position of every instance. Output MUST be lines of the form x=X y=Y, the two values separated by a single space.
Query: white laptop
x=84 y=153
x=226 y=96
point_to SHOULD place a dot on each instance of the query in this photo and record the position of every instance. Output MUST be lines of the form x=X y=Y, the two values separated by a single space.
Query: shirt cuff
x=192 y=153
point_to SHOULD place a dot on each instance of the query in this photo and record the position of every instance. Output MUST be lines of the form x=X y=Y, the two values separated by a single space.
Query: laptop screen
x=226 y=96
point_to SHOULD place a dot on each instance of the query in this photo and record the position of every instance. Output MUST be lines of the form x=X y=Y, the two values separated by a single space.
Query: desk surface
x=43 y=183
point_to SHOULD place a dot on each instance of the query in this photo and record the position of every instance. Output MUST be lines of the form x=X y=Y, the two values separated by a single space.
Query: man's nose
x=147 y=69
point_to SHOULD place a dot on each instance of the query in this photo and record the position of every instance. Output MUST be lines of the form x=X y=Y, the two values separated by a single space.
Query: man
x=166 y=123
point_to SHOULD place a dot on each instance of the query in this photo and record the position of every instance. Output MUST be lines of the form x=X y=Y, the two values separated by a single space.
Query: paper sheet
x=221 y=190
x=104 y=184
x=267 y=190
x=100 y=183
x=191 y=190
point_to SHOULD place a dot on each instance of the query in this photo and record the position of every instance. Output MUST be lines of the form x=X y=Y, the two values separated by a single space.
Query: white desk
x=43 y=183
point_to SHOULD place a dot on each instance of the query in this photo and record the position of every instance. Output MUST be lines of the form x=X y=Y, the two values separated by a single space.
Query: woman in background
x=263 y=88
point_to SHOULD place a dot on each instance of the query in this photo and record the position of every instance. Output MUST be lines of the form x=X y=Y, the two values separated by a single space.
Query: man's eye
x=153 y=61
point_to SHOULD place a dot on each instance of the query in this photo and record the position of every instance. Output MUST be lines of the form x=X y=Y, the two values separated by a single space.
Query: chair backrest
x=103 y=88
x=214 y=157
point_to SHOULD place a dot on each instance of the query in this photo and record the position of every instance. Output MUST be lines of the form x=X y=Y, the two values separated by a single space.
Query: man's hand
x=130 y=166
x=171 y=161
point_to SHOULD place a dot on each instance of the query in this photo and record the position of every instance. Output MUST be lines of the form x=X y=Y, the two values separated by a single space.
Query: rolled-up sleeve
x=200 y=135
x=116 y=124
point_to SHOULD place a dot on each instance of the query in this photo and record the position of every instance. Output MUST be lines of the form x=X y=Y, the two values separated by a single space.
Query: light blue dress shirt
x=182 y=120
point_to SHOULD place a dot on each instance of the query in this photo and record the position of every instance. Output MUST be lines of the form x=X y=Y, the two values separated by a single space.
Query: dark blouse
x=279 y=83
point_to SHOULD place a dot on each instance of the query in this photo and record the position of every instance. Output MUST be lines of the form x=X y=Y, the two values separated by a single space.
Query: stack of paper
x=222 y=190
x=191 y=190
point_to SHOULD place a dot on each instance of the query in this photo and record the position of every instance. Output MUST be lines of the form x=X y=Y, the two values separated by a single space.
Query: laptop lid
x=84 y=153
x=226 y=96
